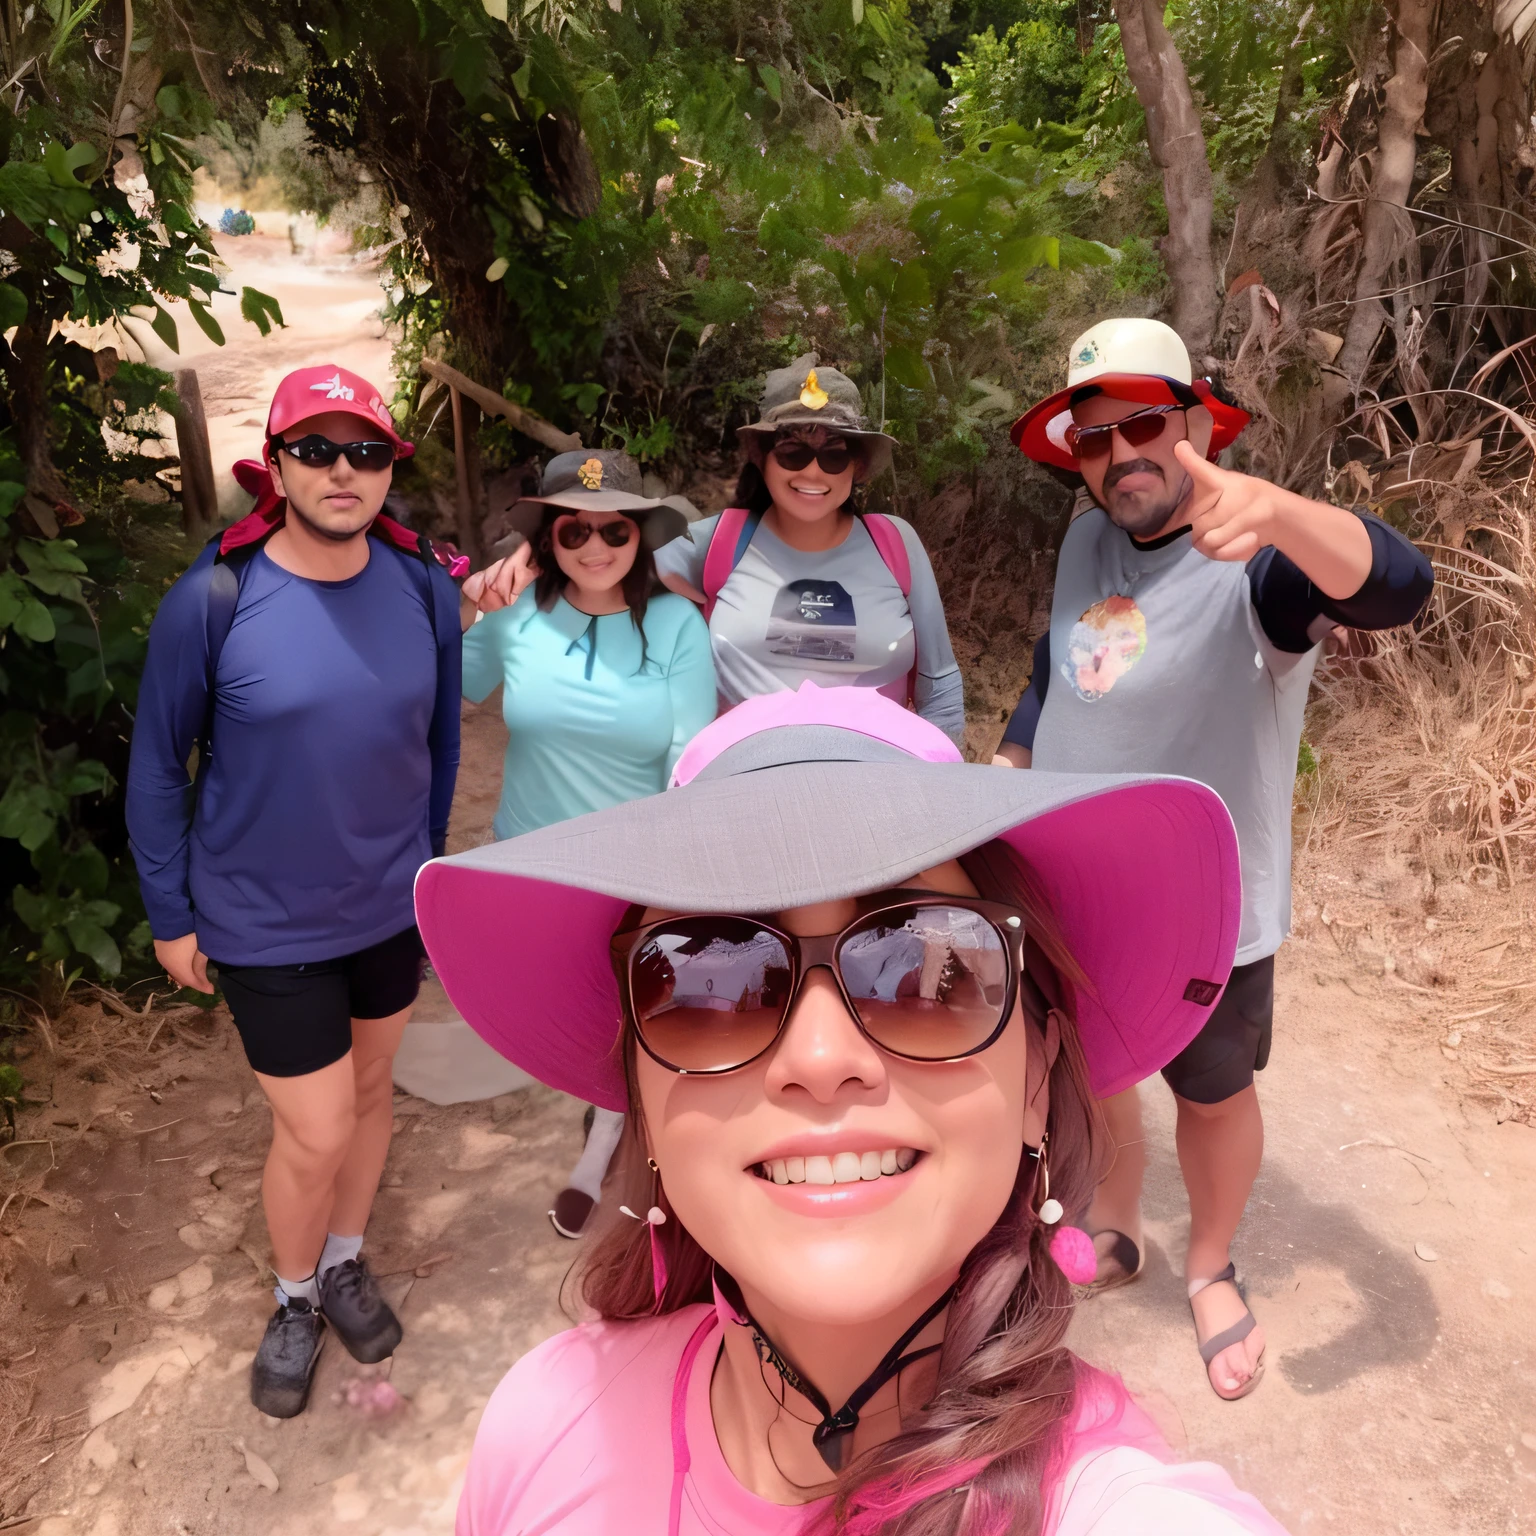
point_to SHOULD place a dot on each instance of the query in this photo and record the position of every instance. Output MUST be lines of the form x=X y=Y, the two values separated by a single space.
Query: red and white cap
x=310 y=392
x=1131 y=359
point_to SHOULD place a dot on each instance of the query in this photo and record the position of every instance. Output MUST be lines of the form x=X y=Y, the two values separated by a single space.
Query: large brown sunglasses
x=926 y=976
x=1138 y=429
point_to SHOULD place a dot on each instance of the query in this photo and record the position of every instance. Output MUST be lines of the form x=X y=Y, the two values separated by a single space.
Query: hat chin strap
x=833 y=1436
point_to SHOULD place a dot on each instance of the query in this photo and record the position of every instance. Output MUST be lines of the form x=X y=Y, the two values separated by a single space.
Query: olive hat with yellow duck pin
x=603 y=480
x=807 y=395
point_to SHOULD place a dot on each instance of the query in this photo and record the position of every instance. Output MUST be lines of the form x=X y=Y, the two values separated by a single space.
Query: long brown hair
x=975 y=1460
x=640 y=584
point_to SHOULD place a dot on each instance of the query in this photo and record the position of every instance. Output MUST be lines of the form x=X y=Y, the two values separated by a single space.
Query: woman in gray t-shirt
x=798 y=586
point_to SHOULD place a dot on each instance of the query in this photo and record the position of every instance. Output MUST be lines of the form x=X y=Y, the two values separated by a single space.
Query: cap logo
x=1202 y=993
x=333 y=387
x=591 y=474
x=812 y=395
x=1088 y=353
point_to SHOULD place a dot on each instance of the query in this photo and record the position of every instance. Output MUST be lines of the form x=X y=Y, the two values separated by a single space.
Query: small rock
x=1497 y=1289
x=163 y=1297
x=1528 y=1441
x=1425 y=1252
x=207 y=1168
x=259 y=1469
x=194 y=1280
x=1388 y=964
x=1453 y=1039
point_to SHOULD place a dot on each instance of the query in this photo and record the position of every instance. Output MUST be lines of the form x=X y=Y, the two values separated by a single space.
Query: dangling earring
x=654 y=1218
x=1070 y=1247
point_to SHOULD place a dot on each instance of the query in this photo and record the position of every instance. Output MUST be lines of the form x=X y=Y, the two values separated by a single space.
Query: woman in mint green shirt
x=606 y=676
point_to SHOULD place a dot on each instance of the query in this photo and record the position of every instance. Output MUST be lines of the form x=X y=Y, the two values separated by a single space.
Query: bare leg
x=374 y=1043
x=1117 y=1201
x=1220 y=1149
x=313 y=1121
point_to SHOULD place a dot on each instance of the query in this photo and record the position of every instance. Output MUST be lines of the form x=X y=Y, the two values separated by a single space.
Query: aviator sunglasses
x=573 y=533
x=320 y=452
x=926 y=977
x=794 y=453
x=1137 y=429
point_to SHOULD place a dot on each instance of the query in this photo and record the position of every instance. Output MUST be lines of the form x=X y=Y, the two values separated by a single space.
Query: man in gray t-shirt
x=1189 y=606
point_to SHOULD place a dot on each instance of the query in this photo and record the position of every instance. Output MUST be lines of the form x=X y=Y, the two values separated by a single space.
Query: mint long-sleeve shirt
x=590 y=725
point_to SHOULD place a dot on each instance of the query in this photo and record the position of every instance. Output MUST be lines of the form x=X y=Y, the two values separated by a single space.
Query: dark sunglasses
x=1138 y=429
x=573 y=533
x=794 y=453
x=320 y=452
x=926 y=977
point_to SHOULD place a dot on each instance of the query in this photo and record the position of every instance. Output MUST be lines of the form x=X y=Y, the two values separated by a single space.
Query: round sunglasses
x=793 y=453
x=926 y=977
x=1137 y=429
x=573 y=533
x=320 y=452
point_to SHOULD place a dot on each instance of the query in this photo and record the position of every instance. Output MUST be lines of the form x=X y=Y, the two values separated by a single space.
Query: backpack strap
x=727 y=544
x=893 y=550
x=223 y=597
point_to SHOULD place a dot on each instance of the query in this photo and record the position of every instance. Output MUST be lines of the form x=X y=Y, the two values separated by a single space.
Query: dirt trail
x=1389 y=1246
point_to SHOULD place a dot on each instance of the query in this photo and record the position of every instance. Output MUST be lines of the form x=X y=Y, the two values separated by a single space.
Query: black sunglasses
x=573 y=533
x=1138 y=429
x=926 y=977
x=794 y=453
x=320 y=452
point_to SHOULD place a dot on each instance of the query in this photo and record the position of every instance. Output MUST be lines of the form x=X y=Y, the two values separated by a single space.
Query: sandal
x=1121 y=1251
x=1210 y=1348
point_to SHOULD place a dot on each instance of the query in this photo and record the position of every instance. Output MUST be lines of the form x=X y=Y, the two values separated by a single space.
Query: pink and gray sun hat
x=795 y=798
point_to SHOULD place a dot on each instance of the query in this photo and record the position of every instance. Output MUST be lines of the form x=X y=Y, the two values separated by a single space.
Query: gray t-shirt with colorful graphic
x=1159 y=663
x=834 y=617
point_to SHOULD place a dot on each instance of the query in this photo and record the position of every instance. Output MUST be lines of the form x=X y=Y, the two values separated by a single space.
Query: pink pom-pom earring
x=1070 y=1247
x=654 y=1219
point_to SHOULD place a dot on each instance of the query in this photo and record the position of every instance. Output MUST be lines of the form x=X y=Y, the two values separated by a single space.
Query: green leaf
x=61 y=163
x=35 y=909
x=171 y=101
x=911 y=287
x=261 y=309
x=522 y=75
x=907 y=366
x=530 y=210
x=34 y=622
x=10 y=1082
x=858 y=11
x=12 y=596
x=772 y=82
x=13 y=306
x=495 y=9
x=497 y=270
x=206 y=323
x=93 y=940
x=57 y=238
x=165 y=328
x=70 y=275
x=86 y=870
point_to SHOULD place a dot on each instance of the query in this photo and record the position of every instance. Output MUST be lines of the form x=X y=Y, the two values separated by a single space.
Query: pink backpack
x=733 y=533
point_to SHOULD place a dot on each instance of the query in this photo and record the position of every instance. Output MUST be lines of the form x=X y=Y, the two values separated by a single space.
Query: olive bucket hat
x=602 y=480
x=808 y=395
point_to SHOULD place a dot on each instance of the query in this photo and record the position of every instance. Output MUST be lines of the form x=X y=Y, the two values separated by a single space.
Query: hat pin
x=812 y=395
x=591 y=474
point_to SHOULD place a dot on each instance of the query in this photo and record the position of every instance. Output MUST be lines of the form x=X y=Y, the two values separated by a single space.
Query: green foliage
x=1034 y=73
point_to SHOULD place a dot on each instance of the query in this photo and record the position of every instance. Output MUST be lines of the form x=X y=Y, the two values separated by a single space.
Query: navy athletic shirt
x=335 y=749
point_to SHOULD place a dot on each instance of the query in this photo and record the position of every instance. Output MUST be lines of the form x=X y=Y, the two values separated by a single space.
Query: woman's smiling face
x=947 y=1136
x=810 y=493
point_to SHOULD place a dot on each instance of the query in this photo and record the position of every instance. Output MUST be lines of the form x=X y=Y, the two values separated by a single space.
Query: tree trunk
x=199 y=501
x=27 y=368
x=1177 y=145
x=1388 y=229
x=470 y=498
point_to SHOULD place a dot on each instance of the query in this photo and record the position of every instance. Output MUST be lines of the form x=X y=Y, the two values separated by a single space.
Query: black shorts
x=295 y=1019
x=1234 y=1044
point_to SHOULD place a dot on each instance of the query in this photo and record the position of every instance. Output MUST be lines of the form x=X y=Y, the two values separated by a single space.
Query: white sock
x=298 y=1290
x=337 y=1250
x=587 y=1175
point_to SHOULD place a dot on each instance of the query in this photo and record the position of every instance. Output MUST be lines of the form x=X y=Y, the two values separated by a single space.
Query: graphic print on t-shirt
x=813 y=621
x=1104 y=645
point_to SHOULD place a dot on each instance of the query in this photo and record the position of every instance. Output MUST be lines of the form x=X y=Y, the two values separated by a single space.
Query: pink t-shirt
x=577 y=1439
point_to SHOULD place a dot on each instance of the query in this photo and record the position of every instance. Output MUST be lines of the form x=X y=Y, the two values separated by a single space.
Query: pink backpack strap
x=893 y=550
x=721 y=556
x=681 y=1460
x=892 y=547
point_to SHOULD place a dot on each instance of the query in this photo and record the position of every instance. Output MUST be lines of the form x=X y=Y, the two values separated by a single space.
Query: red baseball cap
x=310 y=392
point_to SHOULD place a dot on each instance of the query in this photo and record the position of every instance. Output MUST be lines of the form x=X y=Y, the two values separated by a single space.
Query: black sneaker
x=285 y=1363
x=350 y=1300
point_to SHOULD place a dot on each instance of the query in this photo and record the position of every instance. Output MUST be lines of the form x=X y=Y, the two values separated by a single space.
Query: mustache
x=1117 y=472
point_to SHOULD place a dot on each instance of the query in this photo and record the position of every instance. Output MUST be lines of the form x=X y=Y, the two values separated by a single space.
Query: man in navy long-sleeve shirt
x=1188 y=610
x=317 y=670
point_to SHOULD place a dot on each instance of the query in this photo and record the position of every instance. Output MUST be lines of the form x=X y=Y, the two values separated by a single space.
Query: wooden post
x=466 y=466
x=199 y=503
